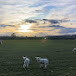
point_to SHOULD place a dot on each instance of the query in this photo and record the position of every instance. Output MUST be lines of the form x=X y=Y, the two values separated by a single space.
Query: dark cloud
x=54 y=24
x=7 y=25
x=45 y=20
x=53 y=21
x=57 y=26
x=68 y=30
x=30 y=21
x=63 y=30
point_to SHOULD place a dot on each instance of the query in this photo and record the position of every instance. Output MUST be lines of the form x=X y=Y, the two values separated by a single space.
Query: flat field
x=62 y=61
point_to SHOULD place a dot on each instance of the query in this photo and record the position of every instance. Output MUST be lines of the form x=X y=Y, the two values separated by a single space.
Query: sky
x=37 y=17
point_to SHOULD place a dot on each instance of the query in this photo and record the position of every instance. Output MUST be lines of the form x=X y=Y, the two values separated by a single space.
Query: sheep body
x=26 y=62
x=42 y=61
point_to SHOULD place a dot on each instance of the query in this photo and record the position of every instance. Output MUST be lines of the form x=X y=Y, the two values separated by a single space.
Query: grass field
x=59 y=52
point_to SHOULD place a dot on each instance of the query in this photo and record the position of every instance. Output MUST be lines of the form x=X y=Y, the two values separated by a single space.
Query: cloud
x=18 y=10
x=56 y=21
x=51 y=28
x=63 y=30
x=57 y=26
x=59 y=16
x=68 y=31
x=44 y=21
x=41 y=11
x=30 y=21
x=7 y=25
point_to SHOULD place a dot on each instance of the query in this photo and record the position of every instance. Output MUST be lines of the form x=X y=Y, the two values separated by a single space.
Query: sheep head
x=24 y=57
x=37 y=58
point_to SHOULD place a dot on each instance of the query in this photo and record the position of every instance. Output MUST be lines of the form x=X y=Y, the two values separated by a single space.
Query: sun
x=25 y=28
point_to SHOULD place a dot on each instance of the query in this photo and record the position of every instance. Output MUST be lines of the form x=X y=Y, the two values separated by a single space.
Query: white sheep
x=42 y=61
x=26 y=62
x=74 y=50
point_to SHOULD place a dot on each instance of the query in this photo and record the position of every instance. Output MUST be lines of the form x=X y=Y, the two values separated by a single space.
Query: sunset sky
x=37 y=17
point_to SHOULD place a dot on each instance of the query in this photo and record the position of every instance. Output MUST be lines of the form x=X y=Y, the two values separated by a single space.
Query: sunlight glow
x=25 y=28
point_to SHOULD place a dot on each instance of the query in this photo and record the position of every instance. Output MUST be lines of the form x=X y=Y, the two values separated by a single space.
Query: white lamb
x=26 y=62
x=42 y=61
x=74 y=50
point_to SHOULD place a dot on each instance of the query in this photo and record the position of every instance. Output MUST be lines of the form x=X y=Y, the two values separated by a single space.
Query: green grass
x=59 y=52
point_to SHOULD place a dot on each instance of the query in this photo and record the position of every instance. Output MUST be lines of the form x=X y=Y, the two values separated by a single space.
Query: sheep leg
x=45 y=66
x=41 y=65
x=27 y=65
x=24 y=65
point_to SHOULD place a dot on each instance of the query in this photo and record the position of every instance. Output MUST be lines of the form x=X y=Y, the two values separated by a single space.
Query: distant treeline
x=17 y=38
x=64 y=37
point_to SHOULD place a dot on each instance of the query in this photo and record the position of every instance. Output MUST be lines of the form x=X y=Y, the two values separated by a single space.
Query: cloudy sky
x=37 y=17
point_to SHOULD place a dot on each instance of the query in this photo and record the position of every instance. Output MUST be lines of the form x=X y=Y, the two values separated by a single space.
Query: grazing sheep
x=42 y=61
x=26 y=62
x=74 y=50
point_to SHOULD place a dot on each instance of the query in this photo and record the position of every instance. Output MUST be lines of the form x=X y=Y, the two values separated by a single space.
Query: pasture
x=62 y=61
